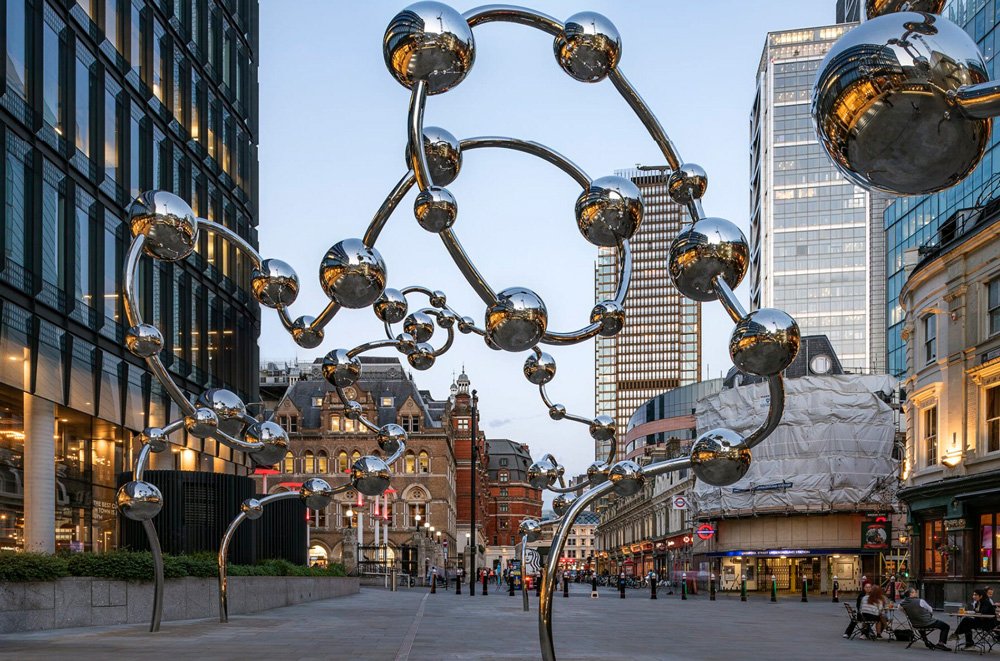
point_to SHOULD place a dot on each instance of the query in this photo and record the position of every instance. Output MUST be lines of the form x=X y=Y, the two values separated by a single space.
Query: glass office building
x=660 y=346
x=102 y=99
x=911 y=222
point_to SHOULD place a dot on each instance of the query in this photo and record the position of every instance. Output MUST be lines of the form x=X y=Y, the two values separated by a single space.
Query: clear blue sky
x=333 y=134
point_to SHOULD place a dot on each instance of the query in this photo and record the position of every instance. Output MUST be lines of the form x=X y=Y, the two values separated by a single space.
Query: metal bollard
x=711 y=588
x=538 y=584
x=510 y=581
x=892 y=588
x=743 y=590
x=565 y=586
x=684 y=586
x=805 y=588
x=621 y=585
x=395 y=580
x=458 y=583
x=774 y=588
x=434 y=582
x=486 y=582
x=652 y=588
x=836 y=590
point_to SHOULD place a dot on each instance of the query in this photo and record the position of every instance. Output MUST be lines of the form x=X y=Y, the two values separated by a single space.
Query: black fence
x=375 y=559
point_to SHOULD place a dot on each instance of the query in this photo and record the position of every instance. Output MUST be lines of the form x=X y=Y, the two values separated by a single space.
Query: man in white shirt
x=922 y=615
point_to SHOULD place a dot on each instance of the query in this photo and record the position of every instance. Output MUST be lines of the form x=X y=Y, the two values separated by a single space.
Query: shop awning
x=796 y=553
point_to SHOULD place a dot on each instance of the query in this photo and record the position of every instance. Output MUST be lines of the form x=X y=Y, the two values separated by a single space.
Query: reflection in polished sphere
x=353 y=411
x=304 y=334
x=167 y=222
x=438 y=299
x=422 y=357
x=352 y=274
x=429 y=41
x=390 y=437
x=405 y=344
x=252 y=508
x=446 y=319
x=687 y=183
x=435 y=209
x=391 y=306
x=562 y=502
x=444 y=155
x=720 y=458
x=876 y=8
x=709 y=248
x=465 y=325
x=764 y=342
x=627 y=478
x=557 y=411
x=419 y=325
x=155 y=438
x=589 y=47
x=529 y=530
x=540 y=369
x=315 y=493
x=543 y=474
x=609 y=211
x=274 y=284
x=340 y=369
x=597 y=473
x=202 y=423
x=139 y=501
x=602 y=428
x=370 y=475
x=144 y=340
x=228 y=408
x=275 y=441
x=517 y=320
x=884 y=107
x=610 y=315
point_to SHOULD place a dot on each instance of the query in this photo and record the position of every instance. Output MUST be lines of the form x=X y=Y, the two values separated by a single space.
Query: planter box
x=84 y=602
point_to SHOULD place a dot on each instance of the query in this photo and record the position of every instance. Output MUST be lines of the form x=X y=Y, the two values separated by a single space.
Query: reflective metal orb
x=435 y=209
x=275 y=284
x=709 y=248
x=542 y=474
x=315 y=493
x=517 y=320
x=275 y=441
x=419 y=325
x=764 y=342
x=390 y=437
x=465 y=325
x=627 y=478
x=557 y=411
x=687 y=183
x=446 y=319
x=155 y=438
x=167 y=222
x=720 y=458
x=609 y=211
x=228 y=408
x=252 y=508
x=139 y=501
x=610 y=315
x=144 y=340
x=589 y=47
x=429 y=41
x=884 y=108
x=422 y=357
x=562 y=502
x=352 y=274
x=602 y=428
x=340 y=370
x=304 y=334
x=202 y=423
x=444 y=155
x=353 y=411
x=876 y=8
x=370 y=476
x=597 y=473
x=391 y=306
x=529 y=530
x=438 y=299
x=539 y=370
x=407 y=344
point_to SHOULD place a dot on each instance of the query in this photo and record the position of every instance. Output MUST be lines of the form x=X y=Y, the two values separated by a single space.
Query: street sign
x=705 y=531
x=679 y=503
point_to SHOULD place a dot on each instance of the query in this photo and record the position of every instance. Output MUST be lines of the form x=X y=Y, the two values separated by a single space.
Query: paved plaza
x=414 y=624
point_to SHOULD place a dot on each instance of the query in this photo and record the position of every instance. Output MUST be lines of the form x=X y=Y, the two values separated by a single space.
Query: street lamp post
x=474 y=454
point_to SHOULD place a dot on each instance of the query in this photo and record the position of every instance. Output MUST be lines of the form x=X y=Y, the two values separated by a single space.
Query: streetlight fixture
x=427 y=525
x=417 y=517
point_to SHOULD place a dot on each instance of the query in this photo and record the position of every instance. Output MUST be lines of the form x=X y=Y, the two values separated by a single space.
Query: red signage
x=705 y=531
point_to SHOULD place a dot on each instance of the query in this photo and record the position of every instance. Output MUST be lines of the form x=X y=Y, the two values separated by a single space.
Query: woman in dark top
x=983 y=606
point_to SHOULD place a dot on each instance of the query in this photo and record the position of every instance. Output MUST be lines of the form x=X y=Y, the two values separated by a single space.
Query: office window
x=135 y=153
x=111 y=271
x=15 y=198
x=342 y=466
x=135 y=39
x=318 y=519
x=112 y=121
x=930 y=339
x=82 y=257
x=310 y=462
x=355 y=456
x=288 y=465
x=53 y=79
x=112 y=26
x=17 y=74
x=334 y=423
x=503 y=507
x=84 y=92
x=54 y=258
x=424 y=462
x=930 y=435
x=322 y=462
x=411 y=462
x=993 y=307
x=993 y=419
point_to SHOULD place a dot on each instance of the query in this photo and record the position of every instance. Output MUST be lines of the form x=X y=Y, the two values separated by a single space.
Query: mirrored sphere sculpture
x=273 y=439
x=252 y=508
x=720 y=457
x=352 y=274
x=589 y=47
x=139 y=501
x=430 y=42
x=517 y=321
x=444 y=156
x=626 y=478
x=274 y=284
x=167 y=223
x=764 y=342
x=144 y=340
x=529 y=530
x=609 y=211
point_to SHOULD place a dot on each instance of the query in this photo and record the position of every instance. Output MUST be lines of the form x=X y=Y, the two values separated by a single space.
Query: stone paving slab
x=416 y=625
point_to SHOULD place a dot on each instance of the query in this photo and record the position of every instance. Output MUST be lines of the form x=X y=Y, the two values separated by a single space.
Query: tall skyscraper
x=813 y=244
x=102 y=99
x=660 y=346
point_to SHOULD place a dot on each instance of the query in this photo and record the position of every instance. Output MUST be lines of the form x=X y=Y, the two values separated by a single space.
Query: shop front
x=789 y=567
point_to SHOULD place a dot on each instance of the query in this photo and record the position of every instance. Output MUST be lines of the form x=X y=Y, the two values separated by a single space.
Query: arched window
x=342 y=461
x=355 y=456
x=425 y=462
x=310 y=462
x=289 y=466
x=411 y=462
x=322 y=464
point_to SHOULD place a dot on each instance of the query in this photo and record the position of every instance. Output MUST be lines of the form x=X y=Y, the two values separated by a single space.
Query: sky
x=332 y=140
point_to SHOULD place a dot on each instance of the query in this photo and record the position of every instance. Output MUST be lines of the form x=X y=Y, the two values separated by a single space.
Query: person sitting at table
x=921 y=615
x=983 y=606
x=872 y=606
x=866 y=587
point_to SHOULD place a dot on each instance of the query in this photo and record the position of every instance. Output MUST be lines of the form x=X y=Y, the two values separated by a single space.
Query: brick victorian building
x=511 y=499
x=468 y=455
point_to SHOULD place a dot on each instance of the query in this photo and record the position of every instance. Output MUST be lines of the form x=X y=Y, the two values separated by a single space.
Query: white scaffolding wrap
x=834 y=442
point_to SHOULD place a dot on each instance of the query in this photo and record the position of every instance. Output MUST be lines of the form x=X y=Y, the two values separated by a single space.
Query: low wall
x=84 y=602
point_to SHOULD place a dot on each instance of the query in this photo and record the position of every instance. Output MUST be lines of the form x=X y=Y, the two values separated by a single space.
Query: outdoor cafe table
x=981 y=637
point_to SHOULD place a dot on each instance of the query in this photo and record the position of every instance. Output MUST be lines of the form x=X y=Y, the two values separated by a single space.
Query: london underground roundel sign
x=705 y=531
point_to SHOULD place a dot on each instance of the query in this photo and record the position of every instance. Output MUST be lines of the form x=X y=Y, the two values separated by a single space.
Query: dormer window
x=317 y=402
x=503 y=461
x=387 y=401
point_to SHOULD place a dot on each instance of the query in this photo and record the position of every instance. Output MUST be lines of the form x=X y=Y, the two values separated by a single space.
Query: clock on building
x=351 y=393
x=820 y=364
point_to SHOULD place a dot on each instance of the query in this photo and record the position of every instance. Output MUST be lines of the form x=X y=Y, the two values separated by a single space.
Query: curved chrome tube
x=371 y=346
x=524 y=572
x=728 y=299
x=345 y=401
x=418 y=158
x=980 y=101
x=513 y=14
x=646 y=116
x=533 y=148
x=233 y=238
x=562 y=339
x=388 y=207
x=468 y=269
x=447 y=344
x=328 y=313
x=624 y=273
x=157 y=553
x=776 y=386
x=568 y=416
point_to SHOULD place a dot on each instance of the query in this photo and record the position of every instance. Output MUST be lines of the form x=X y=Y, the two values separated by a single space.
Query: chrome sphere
x=435 y=209
x=391 y=306
x=144 y=340
x=167 y=222
x=517 y=320
x=407 y=344
x=422 y=357
x=390 y=437
x=884 y=107
x=353 y=411
x=304 y=334
x=687 y=183
x=228 y=408
x=139 y=501
x=370 y=476
x=252 y=508
x=562 y=502
x=465 y=325
x=429 y=41
x=529 y=530
x=155 y=439
x=609 y=211
x=352 y=274
x=876 y=8
x=720 y=458
x=438 y=299
x=445 y=319
x=540 y=369
x=340 y=370
x=557 y=411
x=543 y=474
x=602 y=428
x=274 y=284
x=709 y=248
x=610 y=315
x=627 y=478
x=315 y=493
x=419 y=325
x=275 y=441
x=597 y=473
x=764 y=342
x=444 y=155
x=202 y=423
x=589 y=47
